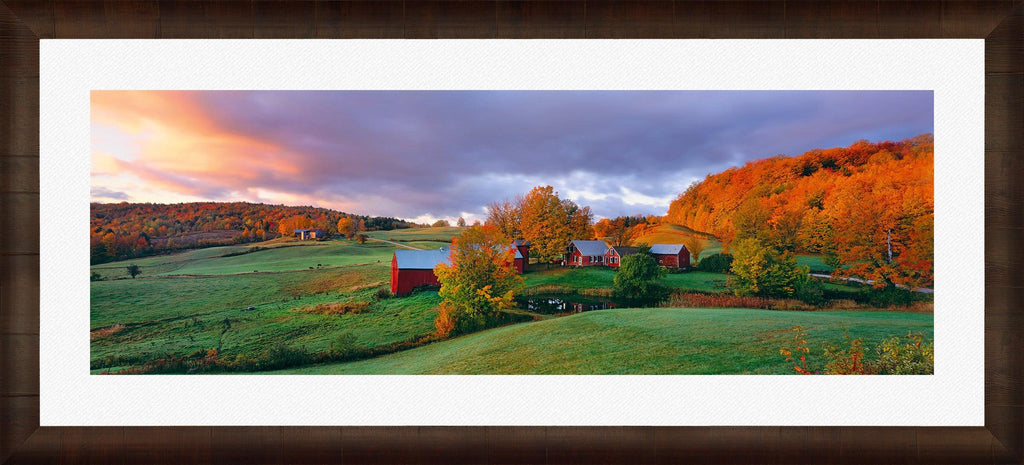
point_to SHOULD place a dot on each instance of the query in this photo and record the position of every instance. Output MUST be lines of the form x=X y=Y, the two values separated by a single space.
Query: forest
x=131 y=230
x=868 y=209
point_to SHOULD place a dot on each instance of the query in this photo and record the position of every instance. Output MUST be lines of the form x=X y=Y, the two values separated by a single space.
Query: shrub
x=716 y=263
x=811 y=292
x=344 y=345
x=890 y=296
x=94 y=276
x=911 y=358
x=444 y=322
x=382 y=293
x=282 y=356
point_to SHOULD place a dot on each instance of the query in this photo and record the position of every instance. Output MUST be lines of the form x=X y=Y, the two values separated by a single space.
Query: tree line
x=868 y=209
x=129 y=230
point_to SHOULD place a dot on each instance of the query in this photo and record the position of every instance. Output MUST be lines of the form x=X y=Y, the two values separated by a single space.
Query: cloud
x=107 y=194
x=449 y=153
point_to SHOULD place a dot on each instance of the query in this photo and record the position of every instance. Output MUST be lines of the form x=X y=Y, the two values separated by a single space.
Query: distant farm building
x=310 y=234
x=671 y=255
x=616 y=253
x=586 y=253
x=413 y=268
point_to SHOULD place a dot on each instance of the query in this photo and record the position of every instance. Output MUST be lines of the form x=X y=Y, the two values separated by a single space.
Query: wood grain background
x=24 y=22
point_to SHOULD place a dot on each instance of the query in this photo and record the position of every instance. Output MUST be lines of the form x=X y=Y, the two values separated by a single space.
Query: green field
x=599 y=277
x=638 y=341
x=197 y=300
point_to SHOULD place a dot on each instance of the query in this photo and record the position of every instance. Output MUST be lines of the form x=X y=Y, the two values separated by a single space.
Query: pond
x=550 y=304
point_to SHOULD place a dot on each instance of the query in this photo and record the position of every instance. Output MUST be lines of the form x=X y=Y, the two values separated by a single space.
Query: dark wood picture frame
x=24 y=22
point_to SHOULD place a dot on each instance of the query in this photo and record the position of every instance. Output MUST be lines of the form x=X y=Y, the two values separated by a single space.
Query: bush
x=282 y=356
x=716 y=263
x=911 y=358
x=382 y=293
x=811 y=293
x=890 y=296
x=95 y=277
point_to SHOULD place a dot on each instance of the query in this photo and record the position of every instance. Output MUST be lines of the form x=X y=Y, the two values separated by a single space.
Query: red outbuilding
x=413 y=268
x=616 y=253
x=671 y=255
x=522 y=254
x=586 y=253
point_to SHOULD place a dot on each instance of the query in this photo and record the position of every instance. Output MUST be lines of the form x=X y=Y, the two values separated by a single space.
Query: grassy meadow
x=318 y=296
x=638 y=341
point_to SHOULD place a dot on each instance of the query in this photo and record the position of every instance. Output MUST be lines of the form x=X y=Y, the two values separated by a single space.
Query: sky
x=427 y=155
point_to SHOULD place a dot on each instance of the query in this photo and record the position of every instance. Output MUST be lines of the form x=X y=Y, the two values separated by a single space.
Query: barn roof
x=591 y=247
x=421 y=259
x=426 y=259
x=622 y=250
x=520 y=242
x=667 y=249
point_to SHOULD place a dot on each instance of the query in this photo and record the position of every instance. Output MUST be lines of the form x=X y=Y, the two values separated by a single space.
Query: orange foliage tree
x=480 y=282
x=868 y=208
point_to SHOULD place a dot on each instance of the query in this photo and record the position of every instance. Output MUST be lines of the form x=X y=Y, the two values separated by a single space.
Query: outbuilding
x=616 y=253
x=413 y=268
x=671 y=255
x=586 y=253
x=307 y=234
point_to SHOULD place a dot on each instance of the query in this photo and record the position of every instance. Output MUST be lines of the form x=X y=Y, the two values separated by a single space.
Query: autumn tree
x=133 y=271
x=506 y=216
x=696 y=246
x=758 y=270
x=347 y=227
x=288 y=226
x=480 y=282
x=618 y=231
x=638 y=277
x=550 y=223
x=441 y=224
x=462 y=222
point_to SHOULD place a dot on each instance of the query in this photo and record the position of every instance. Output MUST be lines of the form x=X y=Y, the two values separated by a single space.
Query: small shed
x=414 y=268
x=310 y=234
x=586 y=253
x=616 y=253
x=671 y=255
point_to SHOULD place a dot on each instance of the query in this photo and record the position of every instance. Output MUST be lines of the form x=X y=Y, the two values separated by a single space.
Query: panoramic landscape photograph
x=512 y=232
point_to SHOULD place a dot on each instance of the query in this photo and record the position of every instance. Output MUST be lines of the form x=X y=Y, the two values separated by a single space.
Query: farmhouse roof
x=591 y=247
x=622 y=250
x=421 y=259
x=667 y=249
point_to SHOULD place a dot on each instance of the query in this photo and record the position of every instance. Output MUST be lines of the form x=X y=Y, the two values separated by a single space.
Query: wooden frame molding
x=24 y=22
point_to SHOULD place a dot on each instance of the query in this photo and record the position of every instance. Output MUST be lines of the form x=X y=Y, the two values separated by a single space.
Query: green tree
x=638 y=277
x=480 y=283
x=758 y=270
x=133 y=271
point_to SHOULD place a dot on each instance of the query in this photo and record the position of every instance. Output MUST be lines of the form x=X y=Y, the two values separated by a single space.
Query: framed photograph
x=266 y=124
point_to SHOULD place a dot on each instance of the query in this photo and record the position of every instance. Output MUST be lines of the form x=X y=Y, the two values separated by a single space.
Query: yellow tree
x=550 y=223
x=479 y=283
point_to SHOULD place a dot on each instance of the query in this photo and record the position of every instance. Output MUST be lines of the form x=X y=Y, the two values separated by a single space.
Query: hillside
x=128 y=230
x=638 y=341
x=869 y=207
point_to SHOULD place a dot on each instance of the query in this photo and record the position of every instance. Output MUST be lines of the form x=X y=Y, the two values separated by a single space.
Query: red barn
x=615 y=255
x=586 y=253
x=522 y=254
x=671 y=255
x=413 y=268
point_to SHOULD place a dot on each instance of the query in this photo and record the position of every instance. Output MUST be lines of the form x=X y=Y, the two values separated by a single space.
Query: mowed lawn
x=640 y=341
x=601 y=277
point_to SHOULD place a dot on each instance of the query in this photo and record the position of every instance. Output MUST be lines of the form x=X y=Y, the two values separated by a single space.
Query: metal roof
x=667 y=249
x=591 y=247
x=519 y=242
x=421 y=259
x=426 y=259
x=622 y=250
